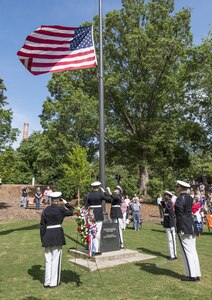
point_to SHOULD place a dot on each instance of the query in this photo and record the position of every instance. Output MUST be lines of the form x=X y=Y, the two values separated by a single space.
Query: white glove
x=101 y=188
x=108 y=190
x=64 y=201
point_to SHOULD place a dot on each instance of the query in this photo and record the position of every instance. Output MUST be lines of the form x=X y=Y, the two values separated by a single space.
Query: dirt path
x=10 y=210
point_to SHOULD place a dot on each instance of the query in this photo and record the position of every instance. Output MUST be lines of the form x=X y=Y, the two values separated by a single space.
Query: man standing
x=115 y=212
x=38 y=197
x=52 y=238
x=136 y=207
x=185 y=230
x=159 y=203
x=169 y=223
x=24 y=197
x=94 y=200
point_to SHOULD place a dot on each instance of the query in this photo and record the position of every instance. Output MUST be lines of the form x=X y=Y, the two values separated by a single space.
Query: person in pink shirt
x=124 y=206
x=196 y=208
x=47 y=193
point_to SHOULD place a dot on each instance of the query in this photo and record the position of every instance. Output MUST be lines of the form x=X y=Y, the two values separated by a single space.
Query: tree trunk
x=143 y=180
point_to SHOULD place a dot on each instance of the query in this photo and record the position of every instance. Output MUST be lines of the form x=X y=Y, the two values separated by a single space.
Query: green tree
x=150 y=74
x=78 y=170
x=7 y=133
x=203 y=59
x=70 y=117
x=8 y=166
x=34 y=160
x=70 y=114
x=155 y=114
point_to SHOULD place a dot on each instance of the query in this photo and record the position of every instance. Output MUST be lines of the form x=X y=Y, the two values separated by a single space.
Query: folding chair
x=209 y=221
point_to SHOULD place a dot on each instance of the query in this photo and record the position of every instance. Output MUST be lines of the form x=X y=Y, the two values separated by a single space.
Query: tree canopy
x=157 y=103
x=7 y=133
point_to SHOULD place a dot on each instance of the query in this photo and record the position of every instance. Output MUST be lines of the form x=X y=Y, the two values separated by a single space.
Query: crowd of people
x=39 y=197
x=201 y=206
x=183 y=215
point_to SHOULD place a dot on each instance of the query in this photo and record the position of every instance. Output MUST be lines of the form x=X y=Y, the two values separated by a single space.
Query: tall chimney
x=25 y=132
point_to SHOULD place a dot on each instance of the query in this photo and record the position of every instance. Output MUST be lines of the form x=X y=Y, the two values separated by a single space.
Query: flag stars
x=82 y=38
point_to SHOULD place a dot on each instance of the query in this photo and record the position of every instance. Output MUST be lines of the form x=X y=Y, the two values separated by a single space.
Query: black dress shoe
x=188 y=278
x=97 y=253
x=197 y=278
x=171 y=258
x=46 y=286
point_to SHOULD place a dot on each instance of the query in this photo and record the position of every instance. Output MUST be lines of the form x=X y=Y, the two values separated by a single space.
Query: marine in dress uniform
x=185 y=230
x=94 y=200
x=169 y=223
x=115 y=212
x=52 y=238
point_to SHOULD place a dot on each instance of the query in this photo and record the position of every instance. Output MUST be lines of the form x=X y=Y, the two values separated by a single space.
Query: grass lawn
x=22 y=268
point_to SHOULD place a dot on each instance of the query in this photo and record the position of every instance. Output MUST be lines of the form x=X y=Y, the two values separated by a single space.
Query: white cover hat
x=183 y=183
x=96 y=183
x=168 y=193
x=118 y=188
x=55 y=194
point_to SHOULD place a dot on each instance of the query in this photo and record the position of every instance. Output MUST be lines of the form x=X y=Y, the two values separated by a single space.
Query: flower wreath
x=87 y=228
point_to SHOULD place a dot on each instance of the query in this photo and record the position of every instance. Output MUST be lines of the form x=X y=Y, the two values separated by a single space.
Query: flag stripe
x=46 y=48
x=63 y=62
x=41 y=70
x=39 y=41
x=53 y=33
x=57 y=27
x=52 y=36
x=54 y=54
x=58 y=48
x=53 y=44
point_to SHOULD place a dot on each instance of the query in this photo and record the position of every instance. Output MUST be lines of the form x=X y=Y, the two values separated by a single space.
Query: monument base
x=105 y=260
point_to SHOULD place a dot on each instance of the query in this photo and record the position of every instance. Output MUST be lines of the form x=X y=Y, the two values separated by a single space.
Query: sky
x=26 y=92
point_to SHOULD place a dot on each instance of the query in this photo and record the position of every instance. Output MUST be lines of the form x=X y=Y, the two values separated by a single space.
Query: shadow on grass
x=155 y=270
x=157 y=230
x=130 y=228
x=67 y=276
x=74 y=240
x=31 y=298
x=207 y=232
x=4 y=205
x=148 y=251
x=36 y=226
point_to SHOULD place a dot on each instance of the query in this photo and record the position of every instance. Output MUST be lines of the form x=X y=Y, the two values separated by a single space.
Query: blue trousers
x=37 y=201
x=136 y=220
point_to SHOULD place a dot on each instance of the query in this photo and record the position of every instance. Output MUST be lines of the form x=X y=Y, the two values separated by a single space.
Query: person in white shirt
x=159 y=203
x=136 y=207
x=174 y=198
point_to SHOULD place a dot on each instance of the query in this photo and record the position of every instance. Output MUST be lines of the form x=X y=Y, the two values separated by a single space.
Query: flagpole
x=101 y=114
x=101 y=104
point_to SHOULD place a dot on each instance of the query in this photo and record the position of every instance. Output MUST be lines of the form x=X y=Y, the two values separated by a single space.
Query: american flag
x=58 y=48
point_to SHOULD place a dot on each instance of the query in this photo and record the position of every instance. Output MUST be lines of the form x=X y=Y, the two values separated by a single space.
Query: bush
x=155 y=187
